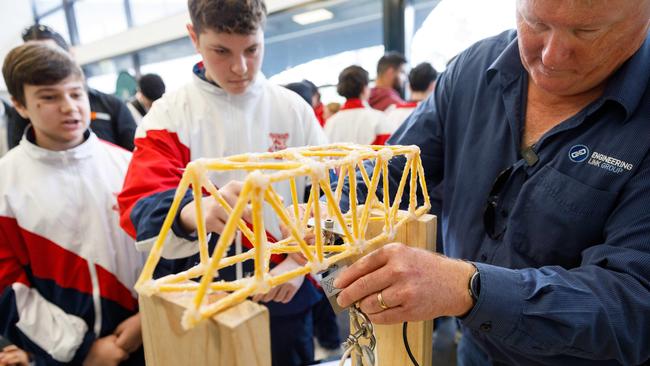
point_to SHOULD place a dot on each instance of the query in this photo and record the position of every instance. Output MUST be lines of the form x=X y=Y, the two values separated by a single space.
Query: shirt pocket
x=560 y=217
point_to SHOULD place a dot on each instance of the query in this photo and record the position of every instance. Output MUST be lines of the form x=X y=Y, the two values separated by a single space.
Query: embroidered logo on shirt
x=580 y=153
x=279 y=141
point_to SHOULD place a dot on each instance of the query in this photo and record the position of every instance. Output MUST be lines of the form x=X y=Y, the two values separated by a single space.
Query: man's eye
x=539 y=26
x=587 y=32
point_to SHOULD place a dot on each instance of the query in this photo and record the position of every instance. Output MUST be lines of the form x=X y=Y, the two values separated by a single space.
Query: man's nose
x=556 y=51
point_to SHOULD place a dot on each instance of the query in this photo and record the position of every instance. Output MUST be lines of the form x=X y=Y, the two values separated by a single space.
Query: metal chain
x=361 y=328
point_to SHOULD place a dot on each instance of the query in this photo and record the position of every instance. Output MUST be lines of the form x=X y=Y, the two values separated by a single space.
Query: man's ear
x=20 y=108
x=193 y=36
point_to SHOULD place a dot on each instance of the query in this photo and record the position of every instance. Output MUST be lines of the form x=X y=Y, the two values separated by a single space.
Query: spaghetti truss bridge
x=313 y=162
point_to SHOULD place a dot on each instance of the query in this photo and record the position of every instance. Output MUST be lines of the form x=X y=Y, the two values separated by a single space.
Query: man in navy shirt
x=539 y=139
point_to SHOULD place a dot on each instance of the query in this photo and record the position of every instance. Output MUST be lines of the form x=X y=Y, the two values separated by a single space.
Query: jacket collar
x=79 y=152
x=353 y=103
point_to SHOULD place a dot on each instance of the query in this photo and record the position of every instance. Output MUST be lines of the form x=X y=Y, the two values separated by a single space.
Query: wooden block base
x=239 y=336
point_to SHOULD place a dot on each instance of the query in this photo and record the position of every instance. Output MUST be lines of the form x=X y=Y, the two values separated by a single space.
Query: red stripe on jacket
x=381 y=139
x=20 y=248
x=161 y=158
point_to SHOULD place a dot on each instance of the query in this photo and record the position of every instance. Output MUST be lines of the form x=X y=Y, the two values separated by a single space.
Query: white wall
x=15 y=15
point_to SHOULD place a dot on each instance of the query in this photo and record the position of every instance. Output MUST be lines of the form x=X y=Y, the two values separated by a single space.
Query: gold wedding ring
x=382 y=304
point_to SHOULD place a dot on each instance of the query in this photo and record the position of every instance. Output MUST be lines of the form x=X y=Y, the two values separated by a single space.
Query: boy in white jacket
x=66 y=268
x=228 y=108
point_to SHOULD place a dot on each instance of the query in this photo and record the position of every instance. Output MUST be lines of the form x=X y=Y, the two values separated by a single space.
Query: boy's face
x=59 y=113
x=231 y=60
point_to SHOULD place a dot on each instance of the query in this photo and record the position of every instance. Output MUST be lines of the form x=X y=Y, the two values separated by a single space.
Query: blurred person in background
x=389 y=84
x=330 y=110
x=309 y=92
x=150 y=88
x=356 y=122
x=422 y=81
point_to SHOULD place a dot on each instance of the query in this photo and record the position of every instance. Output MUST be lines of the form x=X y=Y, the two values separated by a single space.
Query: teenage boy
x=110 y=118
x=66 y=268
x=228 y=108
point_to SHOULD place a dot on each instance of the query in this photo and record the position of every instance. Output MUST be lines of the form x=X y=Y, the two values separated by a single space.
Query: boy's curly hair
x=227 y=16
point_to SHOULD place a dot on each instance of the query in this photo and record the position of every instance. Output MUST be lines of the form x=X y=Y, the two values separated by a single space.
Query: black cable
x=406 y=345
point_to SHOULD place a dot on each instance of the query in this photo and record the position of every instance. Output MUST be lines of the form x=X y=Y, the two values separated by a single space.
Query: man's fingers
x=391 y=316
x=366 y=285
x=370 y=304
x=366 y=264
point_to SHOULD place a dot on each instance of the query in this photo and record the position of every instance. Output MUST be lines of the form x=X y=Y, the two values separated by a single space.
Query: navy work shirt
x=567 y=281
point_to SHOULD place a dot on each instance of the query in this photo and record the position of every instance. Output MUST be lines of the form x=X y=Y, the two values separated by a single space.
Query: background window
x=97 y=19
x=147 y=11
x=43 y=6
x=56 y=20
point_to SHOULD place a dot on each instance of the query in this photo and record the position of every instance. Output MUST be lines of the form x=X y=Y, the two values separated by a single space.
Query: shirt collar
x=508 y=64
x=630 y=81
x=625 y=87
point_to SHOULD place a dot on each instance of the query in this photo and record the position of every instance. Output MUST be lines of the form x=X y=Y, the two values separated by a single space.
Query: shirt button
x=486 y=327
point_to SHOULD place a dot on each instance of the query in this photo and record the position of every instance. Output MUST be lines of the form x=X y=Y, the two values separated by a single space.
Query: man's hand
x=415 y=285
x=282 y=293
x=129 y=334
x=105 y=352
x=215 y=215
x=13 y=356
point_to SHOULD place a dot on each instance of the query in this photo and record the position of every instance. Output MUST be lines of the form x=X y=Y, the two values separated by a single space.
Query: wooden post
x=390 y=349
x=239 y=336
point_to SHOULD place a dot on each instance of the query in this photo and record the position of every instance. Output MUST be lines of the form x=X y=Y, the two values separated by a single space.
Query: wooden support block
x=390 y=348
x=239 y=336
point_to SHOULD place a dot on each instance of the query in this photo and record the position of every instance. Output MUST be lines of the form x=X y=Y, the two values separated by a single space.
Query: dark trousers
x=326 y=328
x=291 y=339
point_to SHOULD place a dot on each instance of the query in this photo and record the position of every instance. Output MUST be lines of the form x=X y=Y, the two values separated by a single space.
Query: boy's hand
x=309 y=236
x=215 y=215
x=282 y=293
x=105 y=352
x=13 y=356
x=129 y=334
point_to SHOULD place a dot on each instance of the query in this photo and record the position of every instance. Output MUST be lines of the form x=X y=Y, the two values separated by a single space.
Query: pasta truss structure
x=313 y=162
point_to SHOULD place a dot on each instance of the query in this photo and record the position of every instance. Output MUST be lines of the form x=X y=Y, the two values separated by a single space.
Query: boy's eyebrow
x=50 y=89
